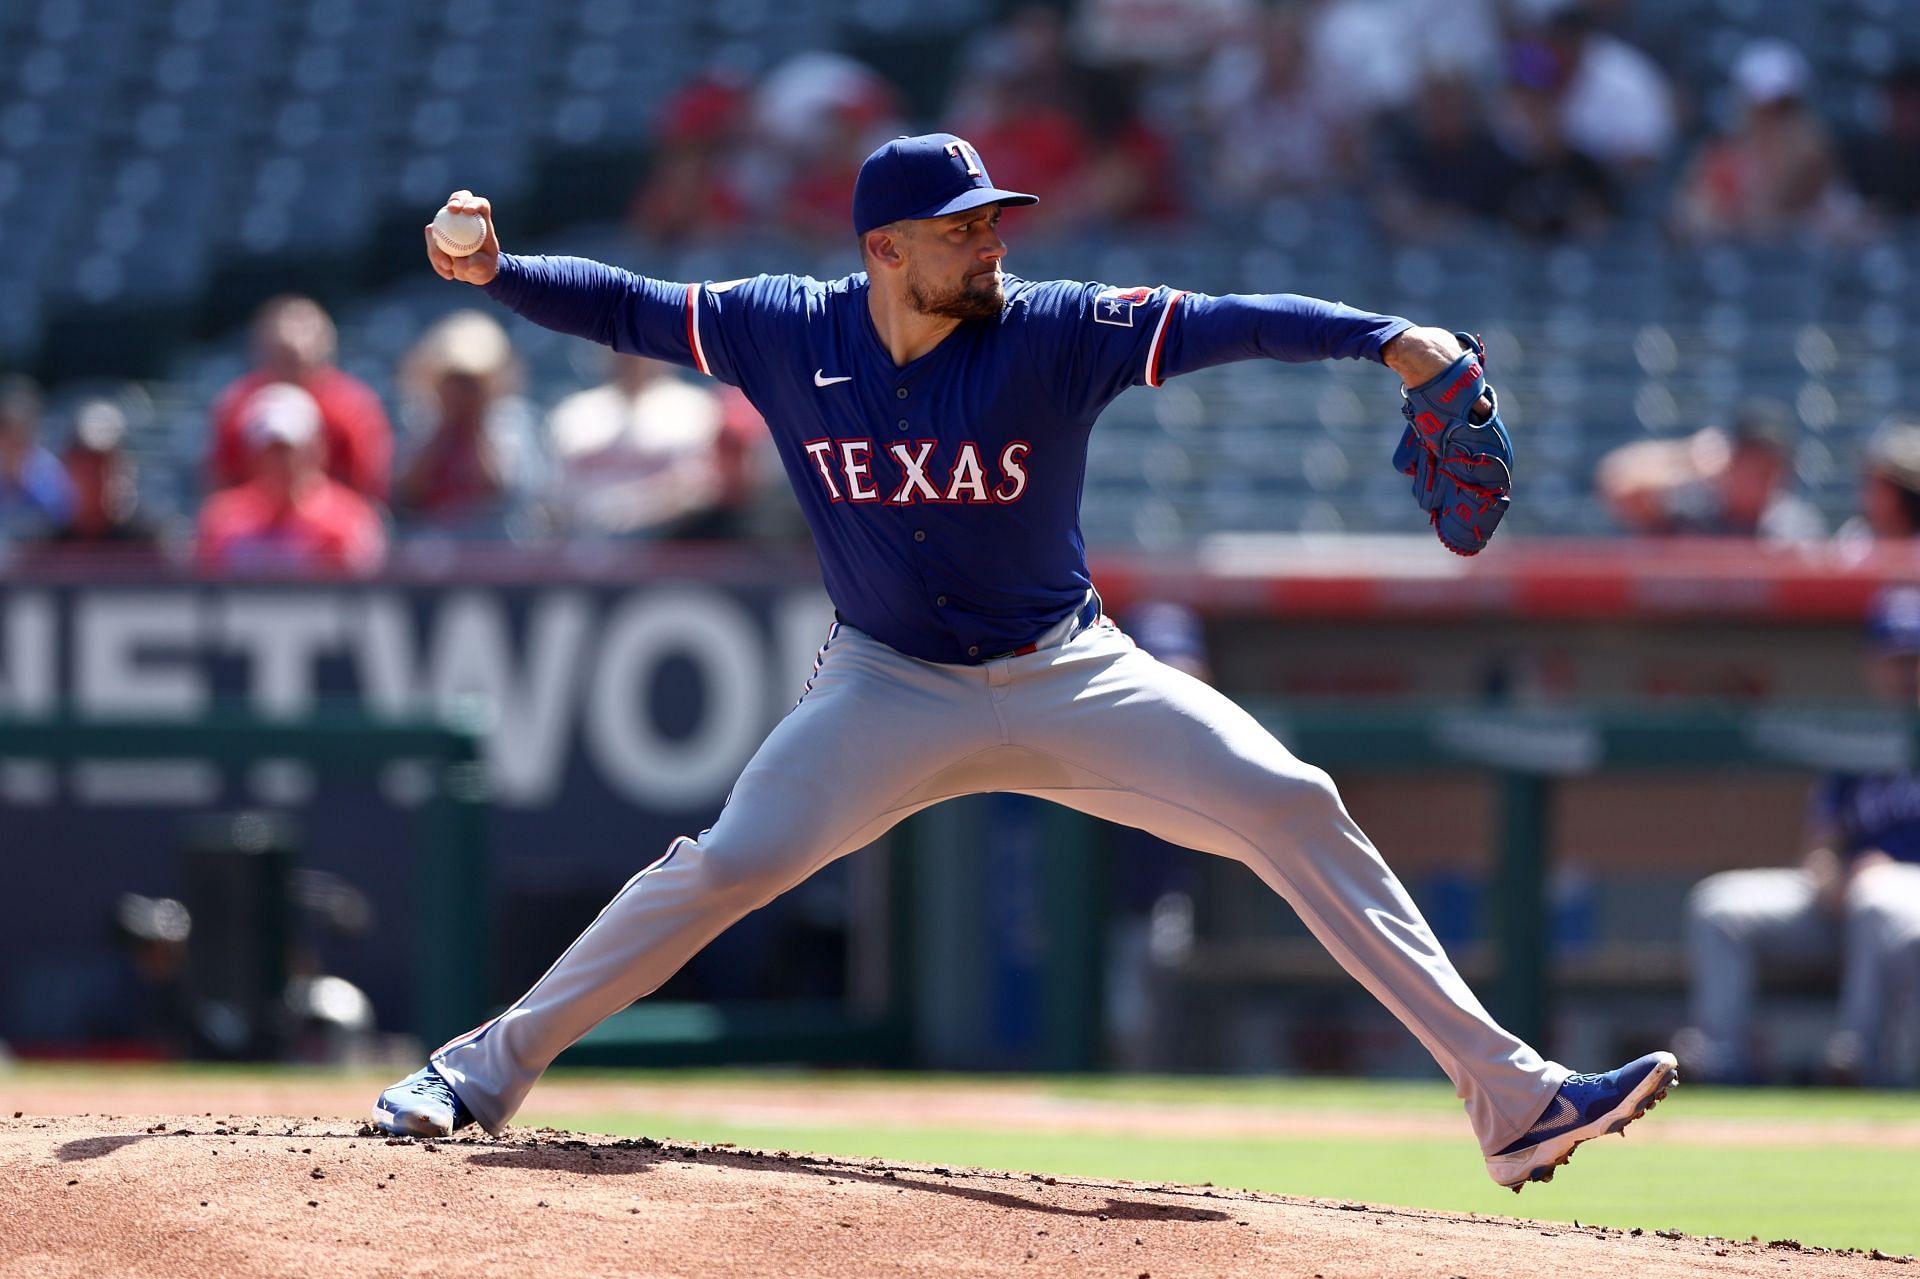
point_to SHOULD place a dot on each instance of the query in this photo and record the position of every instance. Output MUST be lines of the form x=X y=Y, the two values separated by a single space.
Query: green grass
x=1774 y=1105
x=1838 y=1196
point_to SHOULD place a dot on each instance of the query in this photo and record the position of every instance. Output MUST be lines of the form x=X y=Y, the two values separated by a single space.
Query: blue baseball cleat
x=421 y=1105
x=1586 y=1106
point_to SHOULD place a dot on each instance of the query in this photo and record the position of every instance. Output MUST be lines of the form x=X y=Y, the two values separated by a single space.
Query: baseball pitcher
x=932 y=412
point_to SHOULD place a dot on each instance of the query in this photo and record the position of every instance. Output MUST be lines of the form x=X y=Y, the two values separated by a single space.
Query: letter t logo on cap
x=962 y=149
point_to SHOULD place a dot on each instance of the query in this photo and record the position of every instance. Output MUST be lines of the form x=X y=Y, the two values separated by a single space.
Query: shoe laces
x=433 y=1084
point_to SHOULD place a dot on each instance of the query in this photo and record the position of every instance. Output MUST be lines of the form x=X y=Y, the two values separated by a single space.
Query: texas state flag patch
x=1116 y=306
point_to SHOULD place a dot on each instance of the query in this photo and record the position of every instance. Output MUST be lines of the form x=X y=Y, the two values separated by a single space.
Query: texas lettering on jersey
x=924 y=476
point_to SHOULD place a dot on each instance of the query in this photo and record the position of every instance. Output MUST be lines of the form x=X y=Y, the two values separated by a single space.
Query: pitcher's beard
x=970 y=301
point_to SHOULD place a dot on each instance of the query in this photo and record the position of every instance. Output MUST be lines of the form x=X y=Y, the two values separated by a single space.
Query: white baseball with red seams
x=459 y=235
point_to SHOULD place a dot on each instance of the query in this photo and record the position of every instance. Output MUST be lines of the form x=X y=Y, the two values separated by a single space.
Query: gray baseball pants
x=1741 y=923
x=1088 y=720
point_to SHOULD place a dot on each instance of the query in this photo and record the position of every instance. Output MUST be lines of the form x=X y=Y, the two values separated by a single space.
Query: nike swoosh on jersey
x=820 y=378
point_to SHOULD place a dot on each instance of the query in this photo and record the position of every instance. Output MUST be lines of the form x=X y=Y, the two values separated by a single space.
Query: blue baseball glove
x=1462 y=470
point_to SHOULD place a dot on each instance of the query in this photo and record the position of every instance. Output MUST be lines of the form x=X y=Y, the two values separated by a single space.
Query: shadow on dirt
x=1116 y=1209
x=630 y=1157
x=95 y=1147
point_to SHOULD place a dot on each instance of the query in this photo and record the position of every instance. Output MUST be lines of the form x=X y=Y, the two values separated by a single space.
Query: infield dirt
x=172 y=1195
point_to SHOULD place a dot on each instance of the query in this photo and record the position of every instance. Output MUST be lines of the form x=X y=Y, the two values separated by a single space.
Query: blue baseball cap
x=1893 y=621
x=925 y=177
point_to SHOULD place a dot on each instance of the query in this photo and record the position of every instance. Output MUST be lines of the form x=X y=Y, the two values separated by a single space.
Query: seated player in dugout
x=932 y=412
x=1852 y=904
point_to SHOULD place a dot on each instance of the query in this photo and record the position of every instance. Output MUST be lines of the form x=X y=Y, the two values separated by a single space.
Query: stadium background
x=165 y=168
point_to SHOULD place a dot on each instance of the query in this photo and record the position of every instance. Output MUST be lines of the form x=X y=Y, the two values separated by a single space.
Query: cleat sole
x=1666 y=1079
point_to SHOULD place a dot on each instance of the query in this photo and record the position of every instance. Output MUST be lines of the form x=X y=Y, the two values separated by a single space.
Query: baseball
x=459 y=234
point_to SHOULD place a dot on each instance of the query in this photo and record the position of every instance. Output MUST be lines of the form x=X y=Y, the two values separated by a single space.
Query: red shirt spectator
x=1130 y=176
x=1030 y=139
x=106 y=492
x=694 y=186
x=1776 y=175
x=293 y=341
x=815 y=116
x=289 y=517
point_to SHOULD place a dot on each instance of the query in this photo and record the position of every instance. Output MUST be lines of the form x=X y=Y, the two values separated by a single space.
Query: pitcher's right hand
x=483 y=263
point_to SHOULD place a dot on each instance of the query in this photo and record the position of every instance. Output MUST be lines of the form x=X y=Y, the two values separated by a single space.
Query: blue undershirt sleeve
x=631 y=313
x=1204 y=331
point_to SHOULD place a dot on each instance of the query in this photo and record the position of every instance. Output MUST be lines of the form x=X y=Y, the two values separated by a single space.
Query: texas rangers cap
x=925 y=177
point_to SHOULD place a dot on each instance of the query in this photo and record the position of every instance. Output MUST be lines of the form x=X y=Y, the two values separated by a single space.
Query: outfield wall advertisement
x=656 y=694
x=616 y=715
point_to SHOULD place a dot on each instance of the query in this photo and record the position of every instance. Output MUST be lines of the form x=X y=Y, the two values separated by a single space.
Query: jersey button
x=973 y=650
x=903 y=424
x=940 y=601
x=899 y=392
x=919 y=535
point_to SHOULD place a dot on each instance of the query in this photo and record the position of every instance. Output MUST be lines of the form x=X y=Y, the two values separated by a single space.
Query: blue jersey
x=1871 y=812
x=944 y=496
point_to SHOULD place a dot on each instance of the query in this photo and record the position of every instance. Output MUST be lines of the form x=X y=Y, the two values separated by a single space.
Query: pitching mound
x=171 y=1196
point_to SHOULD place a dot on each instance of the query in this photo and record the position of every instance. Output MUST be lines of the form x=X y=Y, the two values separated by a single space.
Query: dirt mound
x=170 y=1196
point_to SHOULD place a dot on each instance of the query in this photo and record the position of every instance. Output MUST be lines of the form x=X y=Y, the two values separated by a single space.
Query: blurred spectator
x=759 y=502
x=816 y=117
x=1854 y=900
x=1278 y=128
x=1006 y=104
x=294 y=341
x=1445 y=171
x=1034 y=39
x=1884 y=165
x=1615 y=104
x=1557 y=191
x=1731 y=482
x=1775 y=173
x=474 y=462
x=36 y=498
x=1890 y=488
x=106 y=511
x=795 y=100
x=1130 y=177
x=289 y=516
x=1155 y=33
x=640 y=454
x=693 y=188
x=1373 y=56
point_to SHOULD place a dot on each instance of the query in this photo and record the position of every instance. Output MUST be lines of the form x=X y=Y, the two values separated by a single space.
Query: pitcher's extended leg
x=831 y=777
x=1160 y=750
